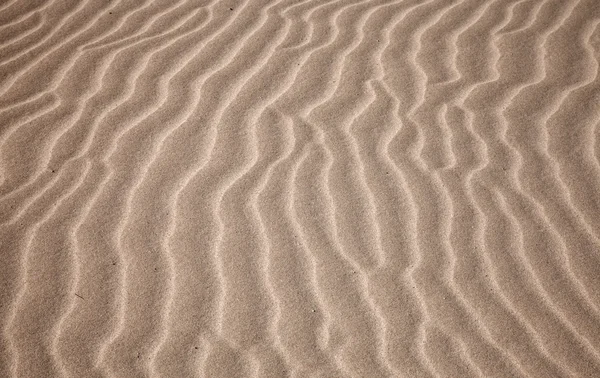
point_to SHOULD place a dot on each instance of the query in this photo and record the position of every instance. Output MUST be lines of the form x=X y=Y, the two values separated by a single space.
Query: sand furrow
x=69 y=112
x=14 y=32
x=138 y=24
x=35 y=315
x=352 y=313
x=153 y=127
x=15 y=13
x=13 y=119
x=472 y=270
x=522 y=16
x=236 y=320
x=493 y=150
x=7 y=4
x=438 y=252
x=400 y=349
x=54 y=18
x=292 y=267
x=356 y=224
x=453 y=22
x=274 y=359
x=281 y=188
x=393 y=286
x=359 y=239
x=69 y=142
x=570 y=147
x=567 y=220
x=327 y=147
x=246 y=321
x=452 y=361
x=173 y=337
x=224 y=73
x=110 y=263
x=58 y=50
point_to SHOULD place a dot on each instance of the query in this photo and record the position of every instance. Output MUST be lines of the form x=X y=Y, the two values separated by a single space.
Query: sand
x=315 y=188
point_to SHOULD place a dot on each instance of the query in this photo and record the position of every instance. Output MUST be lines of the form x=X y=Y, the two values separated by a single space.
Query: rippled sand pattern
x=300 y=188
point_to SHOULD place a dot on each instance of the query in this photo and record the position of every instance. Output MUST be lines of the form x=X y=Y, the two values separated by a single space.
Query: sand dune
x=278 y=188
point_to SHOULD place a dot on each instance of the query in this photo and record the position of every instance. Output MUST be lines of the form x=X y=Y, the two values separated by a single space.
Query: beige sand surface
x=299 y=188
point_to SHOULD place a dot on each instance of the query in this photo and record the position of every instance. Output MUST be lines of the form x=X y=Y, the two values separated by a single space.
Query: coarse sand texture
x=299 y=188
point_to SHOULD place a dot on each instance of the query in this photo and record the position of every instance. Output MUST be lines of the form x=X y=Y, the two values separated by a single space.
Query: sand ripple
x=278 y=188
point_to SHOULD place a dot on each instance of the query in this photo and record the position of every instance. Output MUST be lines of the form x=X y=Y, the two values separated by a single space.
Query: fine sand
x=299 y=188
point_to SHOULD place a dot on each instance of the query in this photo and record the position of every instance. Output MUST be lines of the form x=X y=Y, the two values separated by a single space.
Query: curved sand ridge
x=280 y=188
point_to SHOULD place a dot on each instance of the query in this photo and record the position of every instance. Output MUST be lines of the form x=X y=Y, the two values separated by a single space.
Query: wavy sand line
x=474 y=292
x=419 y=174
x=14 y=324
